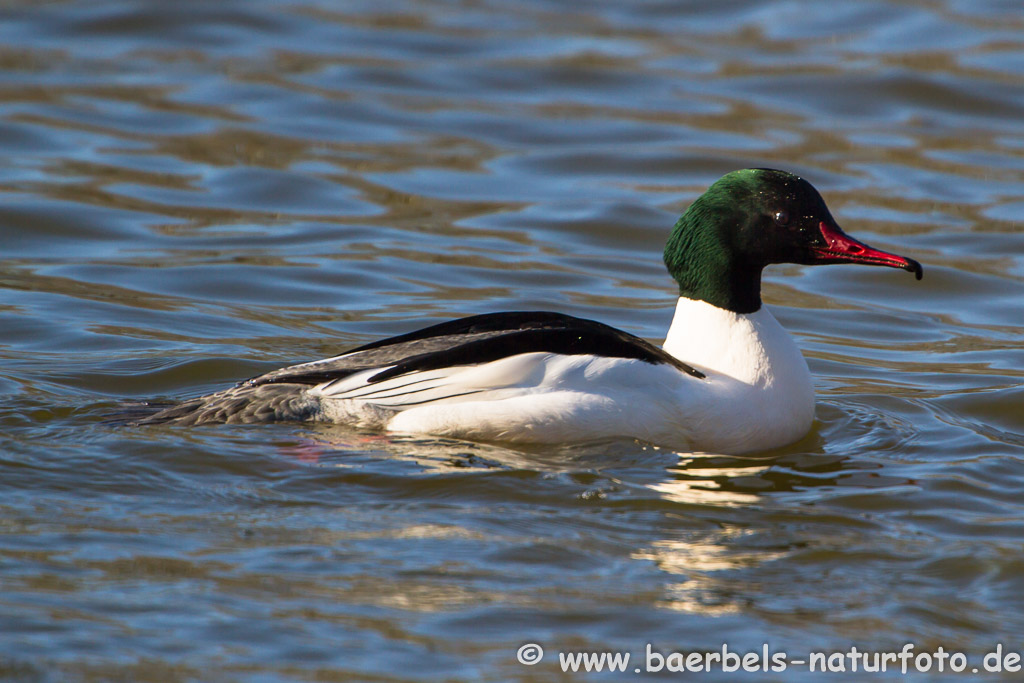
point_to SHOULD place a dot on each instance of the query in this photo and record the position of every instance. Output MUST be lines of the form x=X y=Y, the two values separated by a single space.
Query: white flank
x=757 y=394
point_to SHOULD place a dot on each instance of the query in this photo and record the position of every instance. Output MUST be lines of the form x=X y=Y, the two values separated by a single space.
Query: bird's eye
x=781 y=217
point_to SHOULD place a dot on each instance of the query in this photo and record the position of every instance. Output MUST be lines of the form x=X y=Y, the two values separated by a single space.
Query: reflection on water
x=196 y=194
x=697 y=563
x=709 y=485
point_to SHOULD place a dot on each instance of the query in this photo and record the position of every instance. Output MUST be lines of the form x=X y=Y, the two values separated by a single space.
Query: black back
x=475 y=340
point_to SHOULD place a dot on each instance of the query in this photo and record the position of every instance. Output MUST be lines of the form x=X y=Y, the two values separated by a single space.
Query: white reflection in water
x=698 y=561
x=701 y=486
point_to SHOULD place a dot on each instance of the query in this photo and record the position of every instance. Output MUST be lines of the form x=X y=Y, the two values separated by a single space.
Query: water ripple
x=197 y=193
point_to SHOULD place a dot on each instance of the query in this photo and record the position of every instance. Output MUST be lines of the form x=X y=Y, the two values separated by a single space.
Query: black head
x=752 y=218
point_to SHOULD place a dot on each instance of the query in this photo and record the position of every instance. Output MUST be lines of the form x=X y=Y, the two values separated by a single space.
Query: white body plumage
x=757 y=393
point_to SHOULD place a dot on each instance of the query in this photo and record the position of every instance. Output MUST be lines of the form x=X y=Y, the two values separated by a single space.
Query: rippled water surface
x=197 y=192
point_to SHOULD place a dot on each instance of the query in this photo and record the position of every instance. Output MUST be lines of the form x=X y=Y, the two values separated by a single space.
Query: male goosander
x=729 y=379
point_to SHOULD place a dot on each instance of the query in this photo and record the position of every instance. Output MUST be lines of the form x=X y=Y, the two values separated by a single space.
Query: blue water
x=195 y=193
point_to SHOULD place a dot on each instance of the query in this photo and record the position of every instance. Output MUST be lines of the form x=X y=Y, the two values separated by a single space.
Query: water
x=195 y=193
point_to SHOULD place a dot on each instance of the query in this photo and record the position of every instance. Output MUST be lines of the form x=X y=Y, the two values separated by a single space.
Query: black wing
x=475 y=340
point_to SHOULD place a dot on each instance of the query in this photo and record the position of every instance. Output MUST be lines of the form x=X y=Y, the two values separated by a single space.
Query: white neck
x=752 y=348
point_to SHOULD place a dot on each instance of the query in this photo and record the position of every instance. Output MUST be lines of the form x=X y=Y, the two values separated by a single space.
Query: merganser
x=729 y=378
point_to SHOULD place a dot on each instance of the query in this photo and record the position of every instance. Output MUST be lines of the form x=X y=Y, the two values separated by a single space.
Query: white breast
x=758 y=393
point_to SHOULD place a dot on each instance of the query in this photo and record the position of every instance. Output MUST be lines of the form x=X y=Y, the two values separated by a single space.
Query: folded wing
x=450 y=361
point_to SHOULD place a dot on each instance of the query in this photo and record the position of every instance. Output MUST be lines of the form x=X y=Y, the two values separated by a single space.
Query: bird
x=729 y=379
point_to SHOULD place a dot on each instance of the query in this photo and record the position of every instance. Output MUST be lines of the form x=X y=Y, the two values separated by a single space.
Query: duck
x=729 y=379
